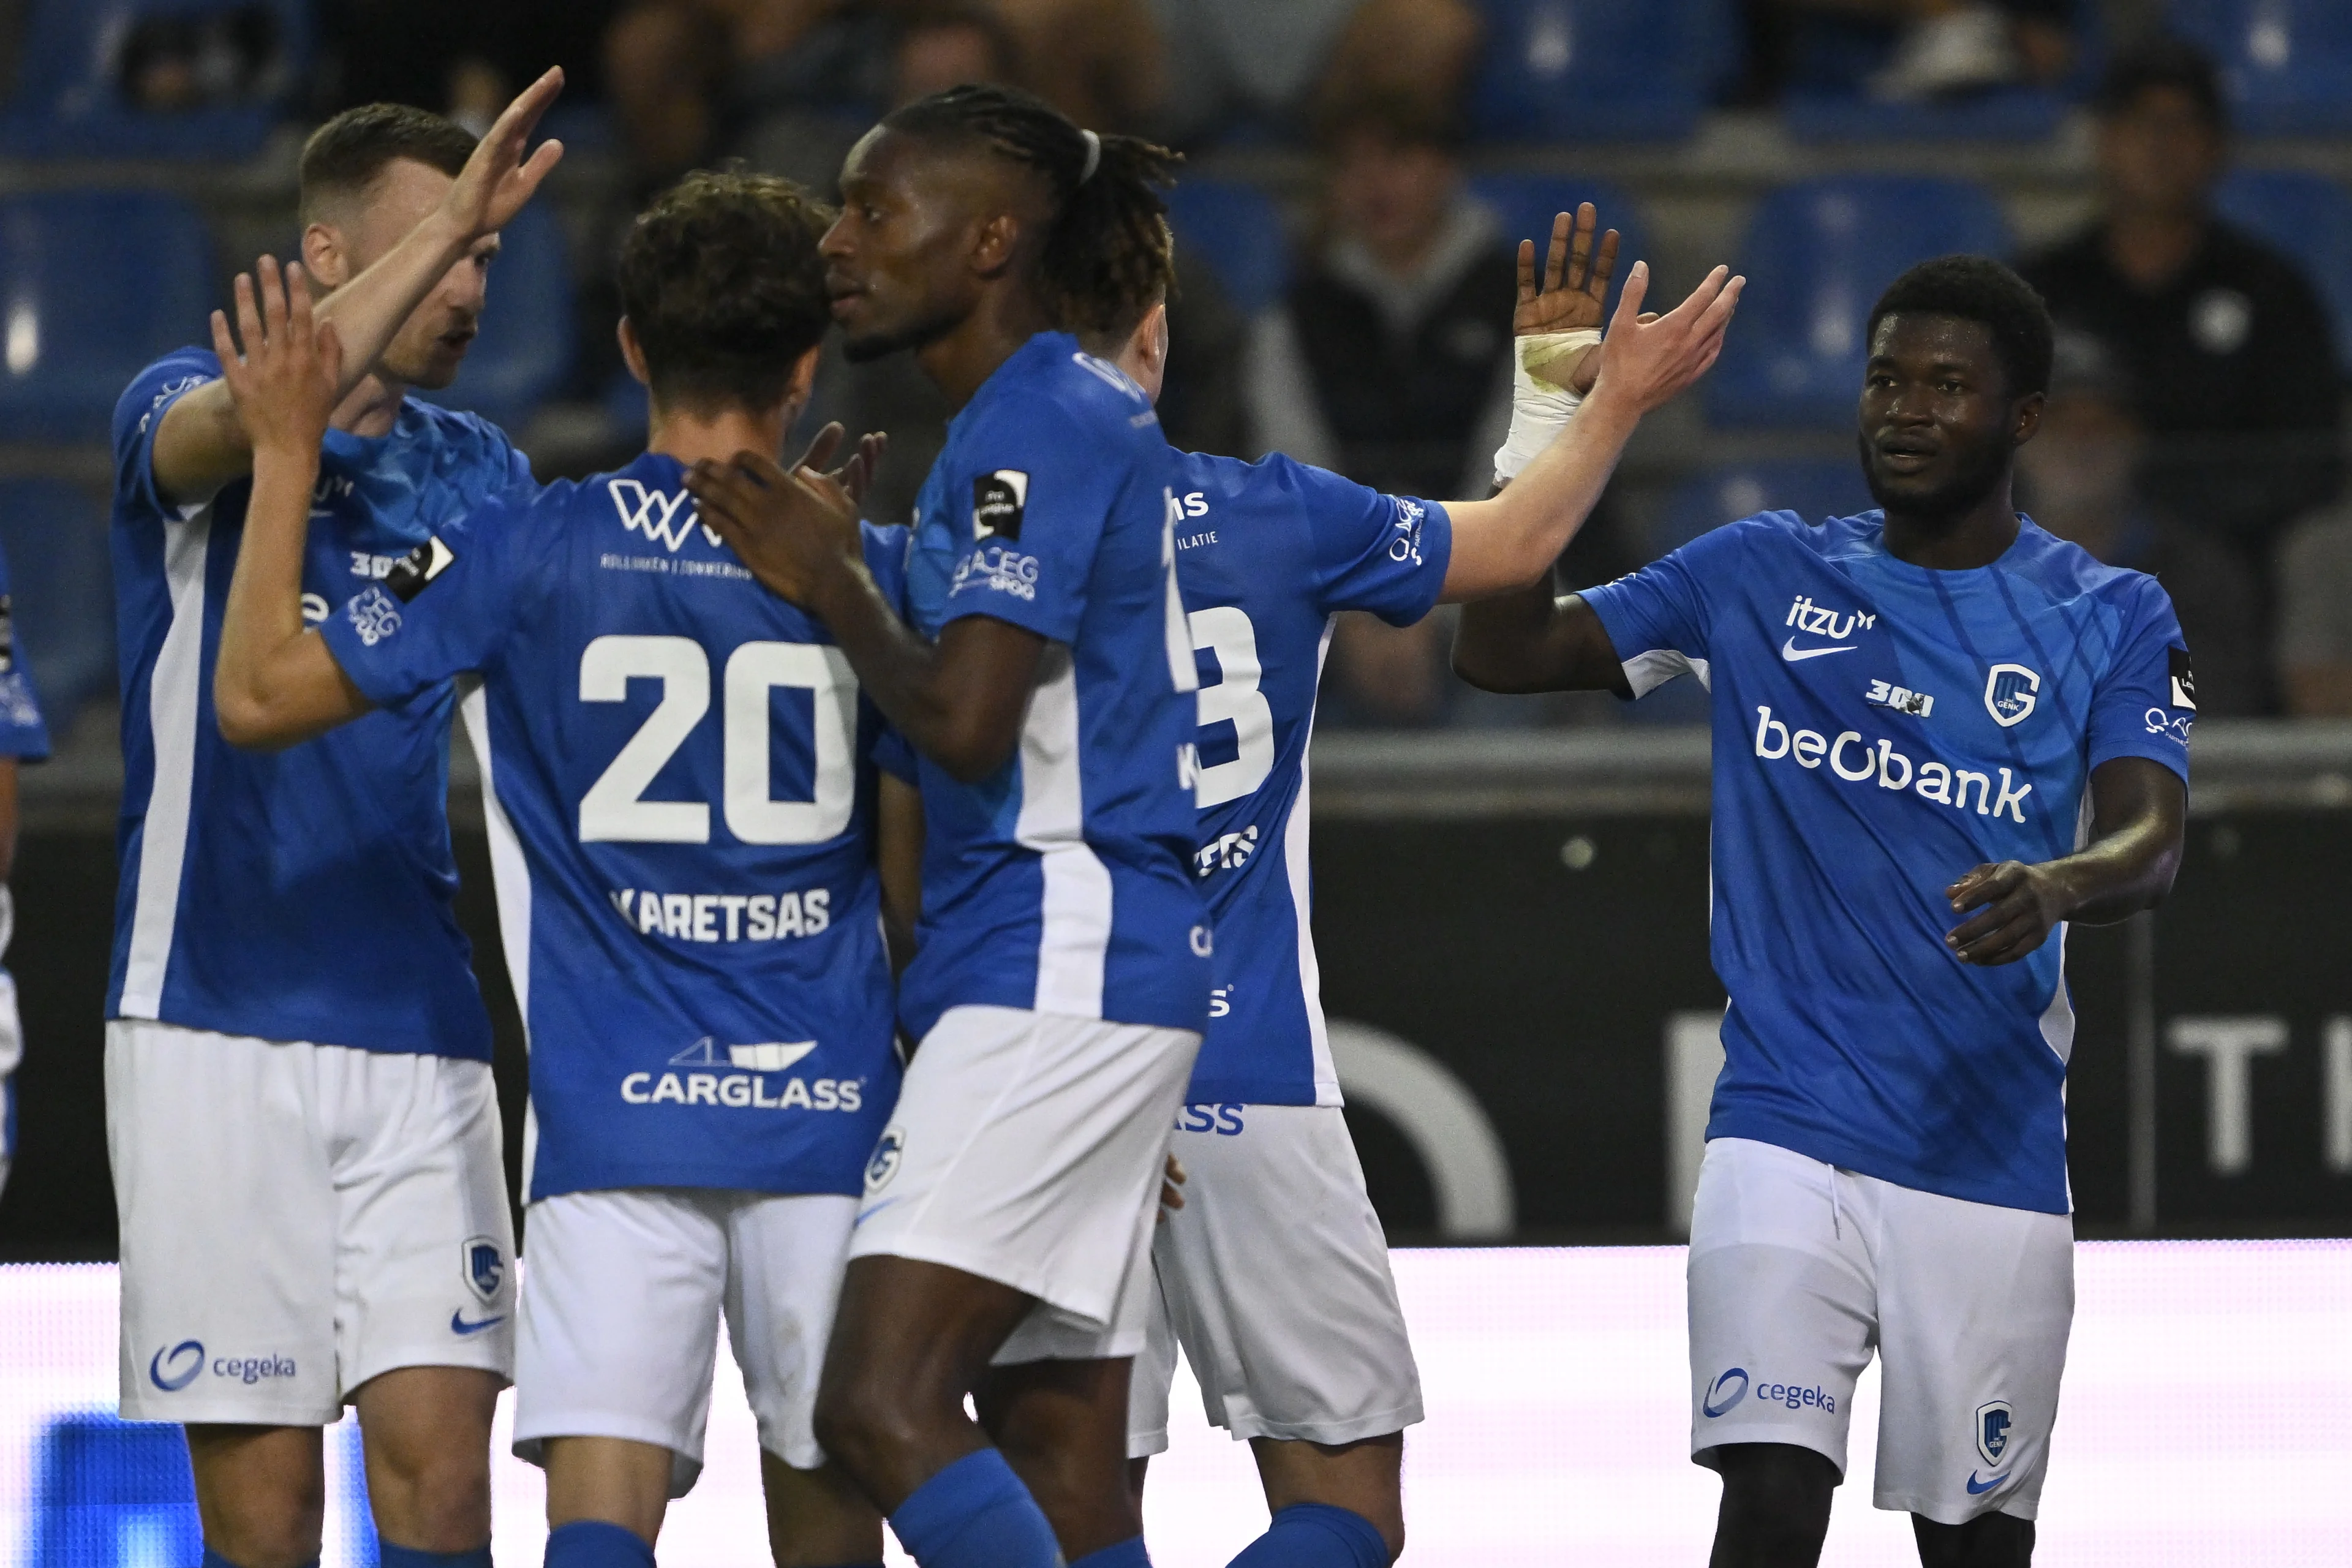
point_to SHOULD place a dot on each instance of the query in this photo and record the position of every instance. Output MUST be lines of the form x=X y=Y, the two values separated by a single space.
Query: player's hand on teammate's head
x=1171 y=1189
x=2023 y=905
x=789 y=526
x=288 y=379
x=498 y=180
x=1650 y=359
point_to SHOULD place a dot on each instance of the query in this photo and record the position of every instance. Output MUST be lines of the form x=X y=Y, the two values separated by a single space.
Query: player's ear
x=2027 y=419
x=324 y=257
x=804 y=382
x=633 y=353
x=995 y=243
x=1150 y=340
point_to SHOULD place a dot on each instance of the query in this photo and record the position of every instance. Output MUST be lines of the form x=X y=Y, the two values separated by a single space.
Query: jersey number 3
x=1225 y=631
x=613 y=810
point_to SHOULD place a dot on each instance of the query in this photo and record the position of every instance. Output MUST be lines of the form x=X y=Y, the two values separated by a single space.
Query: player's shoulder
x=2065 y=573
x=886 y=545
x=181 y=370
x=462 y=438
x=1768 y=534
x=1054 y=388
x=1276 y=479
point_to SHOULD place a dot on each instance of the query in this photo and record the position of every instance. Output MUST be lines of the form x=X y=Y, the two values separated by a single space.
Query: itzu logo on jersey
x=664 y=515
x=746 y=1089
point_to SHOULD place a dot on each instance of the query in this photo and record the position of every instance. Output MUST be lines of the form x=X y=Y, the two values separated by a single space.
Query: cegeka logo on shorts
x=173 y=1367
x=1733 y=1385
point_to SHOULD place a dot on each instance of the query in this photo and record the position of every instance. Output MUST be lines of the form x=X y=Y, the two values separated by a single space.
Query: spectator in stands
x=1283 y=64
x=1389 y=359
x=2081 y=480
x=2229 y=348
x=460 y=58
x=2315 y=595
x=1906 y=50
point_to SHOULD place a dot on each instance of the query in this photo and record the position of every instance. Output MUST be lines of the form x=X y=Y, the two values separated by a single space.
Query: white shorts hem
x=1942 y=1512
x=228 y=1413
x=1705 y=1457
x=1330 y=1434
x=919 y=1248
x=1145 y=1445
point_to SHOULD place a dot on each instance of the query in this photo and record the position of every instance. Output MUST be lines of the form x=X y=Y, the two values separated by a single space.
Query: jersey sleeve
x=1040 y=491
x=2146 y=702
x=1379 y=553
x=23 y=735
x=1657 y=618
x=448 y=607
x=886 y=558
x=136 y=415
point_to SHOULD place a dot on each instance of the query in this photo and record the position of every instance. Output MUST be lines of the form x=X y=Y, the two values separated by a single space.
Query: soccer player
x=1274 y=1276
x=703 y=973
x=1940 y=734
x=1061 y=980
x=300 y=1112
x=24 y=738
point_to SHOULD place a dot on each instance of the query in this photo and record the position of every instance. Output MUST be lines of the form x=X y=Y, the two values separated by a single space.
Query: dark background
x=1546 y=990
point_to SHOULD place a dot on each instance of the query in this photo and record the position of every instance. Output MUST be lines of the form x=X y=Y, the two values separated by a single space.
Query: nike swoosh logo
x=1793 y=654
x=457 y=1324
x=1978 y=1488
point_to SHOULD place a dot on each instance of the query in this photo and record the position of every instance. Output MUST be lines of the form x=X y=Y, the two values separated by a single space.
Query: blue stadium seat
x=1598 y=70
x=68 y=102
x=113 y=1494
x=1827 y=100
x=1817 y=256
x=2309 y=218
x=96 y=284
x=61 y=592
x=1238 y=230
x=1813 y=490
x=526 y=347
x=1528 y=203
x=2288 y=63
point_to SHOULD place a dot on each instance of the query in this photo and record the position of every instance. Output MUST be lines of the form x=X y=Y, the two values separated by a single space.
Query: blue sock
x=1127 y=1553
x=976 y=1514
x=214 y=1559
x=593 y=1544
x=1317 y=1535
x=387 y=1555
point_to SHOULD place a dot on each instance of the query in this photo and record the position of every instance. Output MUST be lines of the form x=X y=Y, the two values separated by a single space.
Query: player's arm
x=276 y=683
x=1512 y=539
x=1531 y=640
x=202 y=445
x=2138 y=811
x=960 y=700
x=898 y=861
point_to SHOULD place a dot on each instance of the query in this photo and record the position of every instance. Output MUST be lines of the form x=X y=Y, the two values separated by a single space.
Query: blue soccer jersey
x=681 y=773
x=302 y=894
x=1266 y=554
x=1879 y=730
x=23 y=733
x=1063 y=881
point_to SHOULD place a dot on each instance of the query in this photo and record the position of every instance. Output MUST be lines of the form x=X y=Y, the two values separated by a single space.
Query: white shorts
x=299 y=1218
x=620 y=1311
x=1275 y=1277
x=1797 y=1269
x=1026 y=1148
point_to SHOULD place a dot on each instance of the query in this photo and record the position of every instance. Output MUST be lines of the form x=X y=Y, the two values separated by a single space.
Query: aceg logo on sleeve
x=374 y=615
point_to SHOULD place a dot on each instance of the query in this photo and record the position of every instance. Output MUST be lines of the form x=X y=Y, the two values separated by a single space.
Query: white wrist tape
x=1540 y=406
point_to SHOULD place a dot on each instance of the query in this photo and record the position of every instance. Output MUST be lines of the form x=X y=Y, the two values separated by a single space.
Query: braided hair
x=1107 y=256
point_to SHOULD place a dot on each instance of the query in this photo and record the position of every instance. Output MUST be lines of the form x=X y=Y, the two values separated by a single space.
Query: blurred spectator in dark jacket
x=460 y=58
x=2083 y=481
x=1906 y=51
x=2230 y=350
x=1283 y=64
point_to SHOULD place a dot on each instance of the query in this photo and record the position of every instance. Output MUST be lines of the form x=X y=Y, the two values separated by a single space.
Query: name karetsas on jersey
x=725 y=917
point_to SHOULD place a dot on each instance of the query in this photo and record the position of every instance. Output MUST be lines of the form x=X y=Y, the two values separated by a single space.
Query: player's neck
x=1977 y=537
x=960 y=359
x=370 y=409
x=691 y=435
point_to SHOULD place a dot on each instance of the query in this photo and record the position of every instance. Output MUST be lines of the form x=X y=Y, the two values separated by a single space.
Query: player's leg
x=618 y=1338
x=1976 y=1302
x=228 y=1219
x=1023 y=1154
x=1276 y=1276
x=1783 y=1315
x=1062 y=1426
x=784 y=1257
x=425 y=1289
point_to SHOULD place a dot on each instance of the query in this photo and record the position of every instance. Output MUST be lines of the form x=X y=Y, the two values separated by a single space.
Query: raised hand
x=1571 y=299
x=497 y=181
x=289 y=379
x=790 y=528
x=1649 y=360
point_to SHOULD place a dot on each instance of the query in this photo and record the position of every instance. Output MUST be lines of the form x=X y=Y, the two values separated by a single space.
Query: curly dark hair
x=344 y=156
x=1978 y=288
x=721 y=281
x=1107 y=257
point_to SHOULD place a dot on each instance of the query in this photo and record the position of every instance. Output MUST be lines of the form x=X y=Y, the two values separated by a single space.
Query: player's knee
x=1775 y=1504
x=432 y=1497
x=861 y=1418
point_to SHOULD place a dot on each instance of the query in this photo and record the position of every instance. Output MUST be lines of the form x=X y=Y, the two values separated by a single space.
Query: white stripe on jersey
x=1075 y=941
x=1302 y=896
x=174 y=696
x=511 y=881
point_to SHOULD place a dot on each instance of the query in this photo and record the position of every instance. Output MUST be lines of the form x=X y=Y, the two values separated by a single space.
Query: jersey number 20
x=612 y=809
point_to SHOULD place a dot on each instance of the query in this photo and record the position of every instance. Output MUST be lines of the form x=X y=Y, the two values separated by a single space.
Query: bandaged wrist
x=1540 y=406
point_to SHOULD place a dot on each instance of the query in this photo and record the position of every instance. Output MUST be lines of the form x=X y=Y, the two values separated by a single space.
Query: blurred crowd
x=2193 y=431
